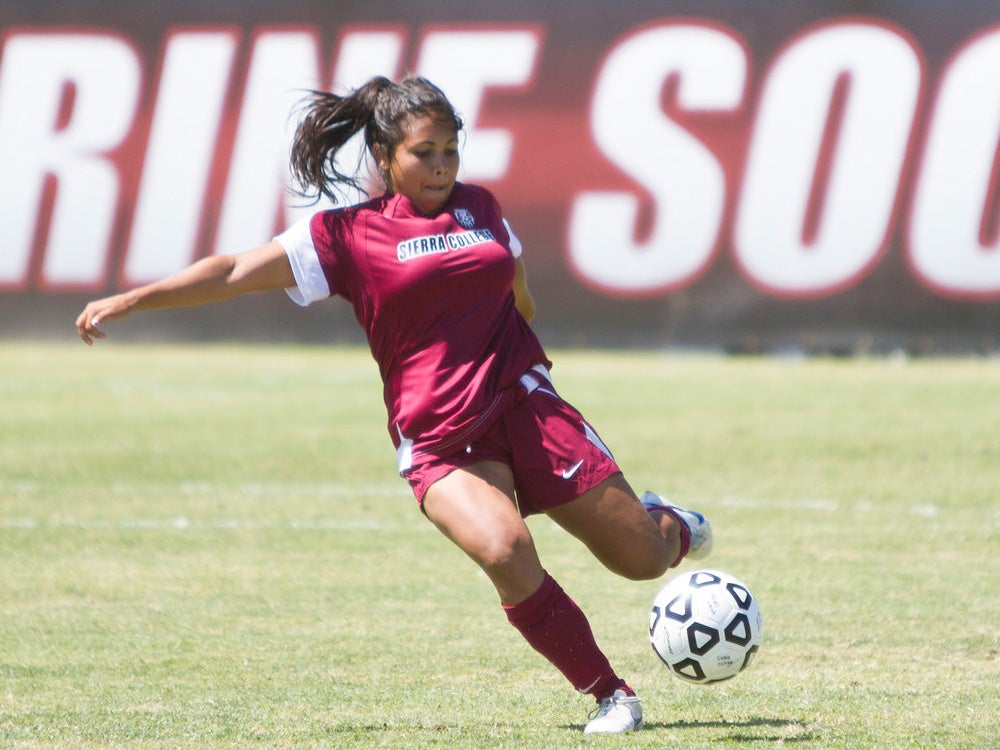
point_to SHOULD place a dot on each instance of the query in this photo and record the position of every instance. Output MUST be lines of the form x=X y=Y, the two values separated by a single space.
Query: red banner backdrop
x=751 y=175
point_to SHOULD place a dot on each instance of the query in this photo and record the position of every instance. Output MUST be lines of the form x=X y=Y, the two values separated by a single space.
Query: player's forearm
x=209 y=280
x=212 y=279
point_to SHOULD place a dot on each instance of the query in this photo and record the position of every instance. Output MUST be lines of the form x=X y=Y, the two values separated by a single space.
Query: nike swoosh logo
x=568 y=473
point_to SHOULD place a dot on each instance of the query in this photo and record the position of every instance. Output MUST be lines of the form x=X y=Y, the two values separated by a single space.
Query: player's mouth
x=437 y=193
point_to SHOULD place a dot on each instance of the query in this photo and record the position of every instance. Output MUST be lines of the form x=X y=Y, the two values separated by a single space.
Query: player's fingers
x=82 y=328
x=87 y=325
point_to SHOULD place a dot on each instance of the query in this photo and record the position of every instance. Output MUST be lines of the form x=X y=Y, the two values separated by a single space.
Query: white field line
x=264 y=489
x=830 y=506
x=806 y=503
x=335 y=491
x=194 y=488
x=826 y=505
x=181 y=523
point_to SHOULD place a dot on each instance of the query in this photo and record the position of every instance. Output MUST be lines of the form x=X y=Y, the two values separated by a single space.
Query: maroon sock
x=558 y=629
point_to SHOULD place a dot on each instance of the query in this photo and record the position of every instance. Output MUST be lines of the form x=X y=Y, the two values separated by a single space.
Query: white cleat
x=617 y=714
x=698 y=525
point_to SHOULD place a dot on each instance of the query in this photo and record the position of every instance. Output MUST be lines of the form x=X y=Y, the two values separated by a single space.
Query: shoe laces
x=607 y=705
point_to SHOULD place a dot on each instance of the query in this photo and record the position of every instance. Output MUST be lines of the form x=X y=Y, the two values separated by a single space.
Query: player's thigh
x=475 y=507
x=611 y=521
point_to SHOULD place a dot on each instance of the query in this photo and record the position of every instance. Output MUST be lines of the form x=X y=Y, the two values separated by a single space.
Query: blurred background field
x=206 y=546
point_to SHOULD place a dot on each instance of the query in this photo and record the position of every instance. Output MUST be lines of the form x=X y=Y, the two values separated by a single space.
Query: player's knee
x=646 y=571
x=501 y=551
x=640 y=565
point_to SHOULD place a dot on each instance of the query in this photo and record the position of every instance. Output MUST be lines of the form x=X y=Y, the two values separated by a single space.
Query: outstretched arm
x=211 y=279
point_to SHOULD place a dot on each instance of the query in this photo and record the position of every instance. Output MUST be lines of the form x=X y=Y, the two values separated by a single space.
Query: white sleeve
x=515 y=243
x=310 y=283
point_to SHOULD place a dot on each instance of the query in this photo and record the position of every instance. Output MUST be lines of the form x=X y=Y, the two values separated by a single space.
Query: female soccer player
x=436 y=279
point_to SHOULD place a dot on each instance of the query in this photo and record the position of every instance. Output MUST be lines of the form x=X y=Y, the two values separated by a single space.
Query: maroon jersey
x=434 y=296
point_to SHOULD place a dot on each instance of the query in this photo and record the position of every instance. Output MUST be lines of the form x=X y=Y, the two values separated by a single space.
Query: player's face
x=425 y=163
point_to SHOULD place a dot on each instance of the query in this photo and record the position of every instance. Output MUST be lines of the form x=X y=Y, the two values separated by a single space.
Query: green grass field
x=208 y=547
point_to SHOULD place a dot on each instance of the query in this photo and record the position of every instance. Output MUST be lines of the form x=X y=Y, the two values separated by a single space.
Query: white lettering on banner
x=466 y=63
x=283 y=66
x=66 y=101
x=881 y=75
x=953 y=239
x=685 y=179
x=362 y=53
x=813 y=199
x=195 y=75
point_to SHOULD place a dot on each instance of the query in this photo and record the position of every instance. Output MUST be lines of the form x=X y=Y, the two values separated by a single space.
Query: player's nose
x=440 y=164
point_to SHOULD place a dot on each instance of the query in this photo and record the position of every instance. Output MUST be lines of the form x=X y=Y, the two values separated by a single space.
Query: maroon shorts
x=554 y=454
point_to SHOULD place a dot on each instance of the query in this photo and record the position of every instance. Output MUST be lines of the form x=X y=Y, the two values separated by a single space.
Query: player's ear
x=381 y=158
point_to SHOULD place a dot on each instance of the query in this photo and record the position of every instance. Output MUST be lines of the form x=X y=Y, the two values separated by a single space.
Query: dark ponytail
x=379 y=107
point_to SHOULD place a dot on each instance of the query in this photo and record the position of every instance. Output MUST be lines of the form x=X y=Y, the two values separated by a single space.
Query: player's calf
x=696 y=531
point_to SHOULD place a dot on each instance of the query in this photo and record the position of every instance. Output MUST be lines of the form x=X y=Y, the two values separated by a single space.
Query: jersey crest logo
x=464 y=217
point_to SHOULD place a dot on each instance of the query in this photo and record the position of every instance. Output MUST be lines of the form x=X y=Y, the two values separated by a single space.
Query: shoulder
x=346 y=214
x=338 y=225
x=465 y=191
x=479 y=200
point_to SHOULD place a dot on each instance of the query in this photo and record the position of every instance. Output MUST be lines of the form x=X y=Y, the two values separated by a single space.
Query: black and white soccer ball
x=705 y=626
